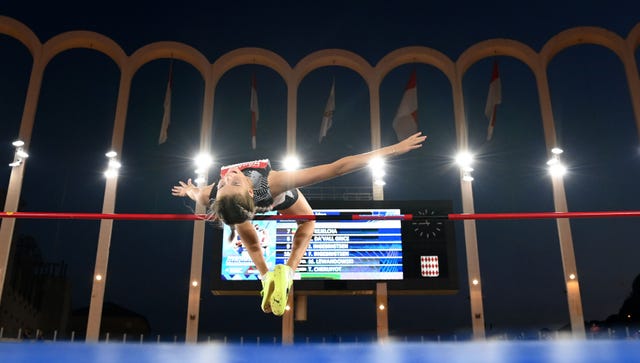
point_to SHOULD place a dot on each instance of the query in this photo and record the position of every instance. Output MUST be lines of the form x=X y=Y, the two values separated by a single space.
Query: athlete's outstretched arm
x=284 y=180
x=188 y=189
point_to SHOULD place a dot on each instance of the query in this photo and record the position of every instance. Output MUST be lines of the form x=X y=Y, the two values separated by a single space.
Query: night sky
x=149 y=261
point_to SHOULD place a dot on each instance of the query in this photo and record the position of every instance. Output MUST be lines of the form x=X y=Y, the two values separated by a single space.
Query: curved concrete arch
x=167 y=49
x=416 y=54
x=495 y=47
x=84 y=39
x=582 y=35
x=251 y=55
x=633 y=38
x=333 y=57
x=21 y=32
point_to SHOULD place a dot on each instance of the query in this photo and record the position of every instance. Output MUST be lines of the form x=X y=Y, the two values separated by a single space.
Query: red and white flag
x=429 y=266
x=493 y=99
x=329 y=109
x=255 y=113
x=166 y=117
x=406 y=121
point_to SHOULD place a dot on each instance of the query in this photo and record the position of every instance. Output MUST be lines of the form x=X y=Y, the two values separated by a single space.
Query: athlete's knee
x=305 y=230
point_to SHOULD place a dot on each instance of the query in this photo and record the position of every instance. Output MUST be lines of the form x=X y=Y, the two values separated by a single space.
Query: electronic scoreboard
x=349 y=255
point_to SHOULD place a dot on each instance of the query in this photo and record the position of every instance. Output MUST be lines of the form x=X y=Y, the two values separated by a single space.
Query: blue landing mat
x=568 y=351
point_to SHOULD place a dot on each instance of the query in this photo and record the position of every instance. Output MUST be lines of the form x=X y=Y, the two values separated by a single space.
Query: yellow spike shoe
x=267 y=292
x=282 y=281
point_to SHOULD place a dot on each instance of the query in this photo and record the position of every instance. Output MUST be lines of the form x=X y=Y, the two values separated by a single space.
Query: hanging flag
x=166 y=118
x=406 y=121
x=493 y=99
x=329 y=109
x=255 y=113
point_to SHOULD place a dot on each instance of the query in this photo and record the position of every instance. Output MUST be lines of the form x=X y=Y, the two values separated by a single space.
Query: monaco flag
x=329 y=109
x=166 y=117
x=255 y=113
x=406 y=121
x=493 y=99
x=429 y=266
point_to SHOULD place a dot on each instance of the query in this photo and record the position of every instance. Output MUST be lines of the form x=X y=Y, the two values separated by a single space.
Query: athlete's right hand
x=183 y=189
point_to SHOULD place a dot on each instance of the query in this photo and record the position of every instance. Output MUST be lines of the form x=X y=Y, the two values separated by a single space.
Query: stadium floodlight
x=291 y=162
x=113 y=165
x=556 y=168
x=20 y=155
x=464 y=159
x=199 y=180
x=377 y=171
x=379 y=182
x=203 y=161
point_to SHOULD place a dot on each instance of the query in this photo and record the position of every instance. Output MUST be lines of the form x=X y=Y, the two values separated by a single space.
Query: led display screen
x=348 y=255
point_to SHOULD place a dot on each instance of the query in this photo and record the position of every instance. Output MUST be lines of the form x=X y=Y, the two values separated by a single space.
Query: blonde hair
x=233 y=209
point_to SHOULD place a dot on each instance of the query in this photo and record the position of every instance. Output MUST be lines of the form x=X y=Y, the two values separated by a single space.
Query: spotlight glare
x=376 y=163
x=111 y=173
x=291 y=162
x=18 y=143
x=467 y=178
x=203 y=161
x=381 y=307
x=22 y=154
x=377 y=171
x=114 y=164
x=111 y=154
x=464 y=159
x=557 y=151
x=557 y=169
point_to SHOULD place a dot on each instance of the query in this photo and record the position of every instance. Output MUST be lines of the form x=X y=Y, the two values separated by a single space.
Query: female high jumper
x=252 y=187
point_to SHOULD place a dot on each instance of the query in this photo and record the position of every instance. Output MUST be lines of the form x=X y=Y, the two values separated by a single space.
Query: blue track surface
x=499 y=351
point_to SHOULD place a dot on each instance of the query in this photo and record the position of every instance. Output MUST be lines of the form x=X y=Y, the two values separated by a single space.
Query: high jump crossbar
x=341 y=217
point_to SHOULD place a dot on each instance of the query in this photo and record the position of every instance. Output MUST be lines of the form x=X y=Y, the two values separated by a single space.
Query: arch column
x=197 y=247
x=560 y=204
x=470 y=232
x=292 y=119
x=633 y=80
x=108 y=206
x=381 y=291
x=292 y=116
x=17 y=173
x=376 y=140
